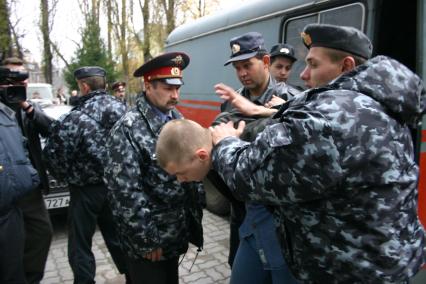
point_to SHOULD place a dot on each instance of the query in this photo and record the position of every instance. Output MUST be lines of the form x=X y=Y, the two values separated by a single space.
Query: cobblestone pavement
x=210 y=266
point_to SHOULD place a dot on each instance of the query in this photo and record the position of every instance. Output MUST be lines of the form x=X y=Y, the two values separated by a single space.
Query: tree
x=169 y=7
x=146 y=30
x=9 y=36
x=194 y=9
x=120 y=29
x=5 y=34
x=108 y=8
x=45 y=27
x=91 y=53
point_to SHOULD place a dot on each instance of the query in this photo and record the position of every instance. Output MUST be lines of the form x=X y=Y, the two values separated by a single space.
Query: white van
x=41 y=93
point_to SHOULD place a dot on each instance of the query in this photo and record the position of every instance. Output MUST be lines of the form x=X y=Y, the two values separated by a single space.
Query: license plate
x=57 y=202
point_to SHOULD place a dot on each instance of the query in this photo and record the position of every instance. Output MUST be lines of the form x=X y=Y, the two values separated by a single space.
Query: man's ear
x=202 y=154
x=266 y=60
x=146 y=85
x=85 y=89
x=348 y=64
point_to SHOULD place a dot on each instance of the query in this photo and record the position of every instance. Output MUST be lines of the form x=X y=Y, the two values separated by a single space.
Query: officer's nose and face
x=120 y=92
x=331 y=52
x=320 y=69
x=280 y=68
x=163 y=96
x=252 y=72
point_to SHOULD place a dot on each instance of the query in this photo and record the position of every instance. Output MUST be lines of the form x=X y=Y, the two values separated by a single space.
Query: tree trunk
x=47 y=52
x=146 y=31
x=5 y=31
x=123 y=43
x=169 y=9
x=109 y=27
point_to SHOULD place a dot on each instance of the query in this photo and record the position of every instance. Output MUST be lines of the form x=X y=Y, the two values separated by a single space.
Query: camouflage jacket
x=75 y=149
x=340 y=165
x=254 y=124
x=152 y=209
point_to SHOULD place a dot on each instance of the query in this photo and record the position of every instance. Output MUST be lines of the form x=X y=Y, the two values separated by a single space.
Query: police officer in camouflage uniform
x=156 y=215
x=75 y=152
x=339 y=164
x=258 y=258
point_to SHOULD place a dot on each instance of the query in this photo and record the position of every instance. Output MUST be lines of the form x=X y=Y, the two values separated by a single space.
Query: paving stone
x=194 y=276
x=210 y=265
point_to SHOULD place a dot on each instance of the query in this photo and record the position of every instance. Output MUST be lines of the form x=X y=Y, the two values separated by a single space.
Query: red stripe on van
x=206 y=103
x=422 y=189
x=203 y=116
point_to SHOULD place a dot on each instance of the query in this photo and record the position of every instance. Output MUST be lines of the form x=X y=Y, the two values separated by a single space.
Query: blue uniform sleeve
x=17 y=175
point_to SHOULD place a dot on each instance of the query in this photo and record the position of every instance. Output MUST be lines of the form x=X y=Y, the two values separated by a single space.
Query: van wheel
x=216 y=202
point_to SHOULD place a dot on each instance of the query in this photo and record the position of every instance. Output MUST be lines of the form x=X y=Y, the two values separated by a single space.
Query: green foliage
x=91 y=53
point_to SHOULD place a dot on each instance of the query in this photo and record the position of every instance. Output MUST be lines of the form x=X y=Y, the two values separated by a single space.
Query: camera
x=9 y=92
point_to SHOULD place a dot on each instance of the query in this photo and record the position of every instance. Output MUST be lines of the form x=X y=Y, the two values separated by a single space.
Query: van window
x=349 y=15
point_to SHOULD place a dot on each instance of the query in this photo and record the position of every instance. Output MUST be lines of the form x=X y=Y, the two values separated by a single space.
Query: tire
x=216 y=202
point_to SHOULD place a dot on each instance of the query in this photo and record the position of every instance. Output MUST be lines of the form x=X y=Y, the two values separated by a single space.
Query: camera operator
x=17 y=178
x=38 y=228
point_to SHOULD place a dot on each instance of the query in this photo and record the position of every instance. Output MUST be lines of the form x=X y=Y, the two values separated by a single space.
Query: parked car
x=42 y=94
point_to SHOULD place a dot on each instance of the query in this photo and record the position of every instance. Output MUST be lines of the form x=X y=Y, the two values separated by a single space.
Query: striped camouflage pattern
x=75 y=148
x=151 y=208
x=340 y=165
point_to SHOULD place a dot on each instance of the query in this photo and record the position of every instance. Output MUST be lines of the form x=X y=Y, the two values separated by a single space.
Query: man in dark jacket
x=156 y=215
x=38 y=228
x=339 y=164
x=258 y=258
x=75 y=152
x=17 y=178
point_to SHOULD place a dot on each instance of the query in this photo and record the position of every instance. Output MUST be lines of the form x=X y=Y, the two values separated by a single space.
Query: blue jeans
x=249 y=269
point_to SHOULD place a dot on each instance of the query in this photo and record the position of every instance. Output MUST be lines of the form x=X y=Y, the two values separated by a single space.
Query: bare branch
x=16 y=40
x=56 y=50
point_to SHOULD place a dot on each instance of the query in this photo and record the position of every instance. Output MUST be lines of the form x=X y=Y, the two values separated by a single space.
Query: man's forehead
x=283 y=60
x=243 y=62
x=317 y=53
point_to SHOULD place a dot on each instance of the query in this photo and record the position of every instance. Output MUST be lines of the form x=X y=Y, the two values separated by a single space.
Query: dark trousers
x=238 y=213
x=38 y=235
x=158 y=272
x=88 y=207
x=12 y=238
